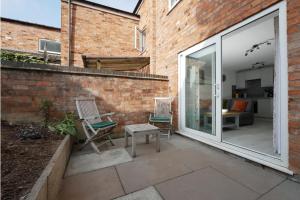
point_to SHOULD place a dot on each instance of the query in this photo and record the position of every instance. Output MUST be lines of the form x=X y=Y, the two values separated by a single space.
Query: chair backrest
x=87 y=109
x=162 y=106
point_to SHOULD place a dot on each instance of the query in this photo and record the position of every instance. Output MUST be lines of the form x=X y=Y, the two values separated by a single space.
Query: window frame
x=141 y=34
x=47 y=40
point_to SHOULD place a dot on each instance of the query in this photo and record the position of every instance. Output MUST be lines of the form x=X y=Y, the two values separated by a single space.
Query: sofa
x=246 y=117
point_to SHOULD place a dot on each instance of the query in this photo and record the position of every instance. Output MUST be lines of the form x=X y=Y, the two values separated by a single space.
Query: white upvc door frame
x=216 y=87
x=280 y=163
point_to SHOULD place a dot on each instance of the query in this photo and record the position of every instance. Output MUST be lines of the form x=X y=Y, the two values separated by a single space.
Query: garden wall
x=129 y=95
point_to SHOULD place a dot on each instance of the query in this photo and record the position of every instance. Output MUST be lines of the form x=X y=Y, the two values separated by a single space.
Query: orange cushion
x=239 y=106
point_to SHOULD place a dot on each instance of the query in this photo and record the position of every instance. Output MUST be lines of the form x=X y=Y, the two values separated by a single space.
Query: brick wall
x=129 y=95
x=25 y=36
x=293 y=26
x=147 y=12
x=96 y=31
x=193 y=21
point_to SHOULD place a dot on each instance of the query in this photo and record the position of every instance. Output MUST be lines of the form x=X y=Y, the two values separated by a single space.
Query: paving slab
x=195 y=159
x=146 y=194
x=102 y=184
x=253 y=176
x=143 y=151
x=181 y=142
x=140 y=174
x=192 y=159
x=288 y=190
x=204 y=184
x=93 y=161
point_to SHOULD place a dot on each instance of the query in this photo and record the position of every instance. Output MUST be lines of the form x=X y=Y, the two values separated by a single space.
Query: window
x=172 y=3
x=140 y=39
x=49 y=46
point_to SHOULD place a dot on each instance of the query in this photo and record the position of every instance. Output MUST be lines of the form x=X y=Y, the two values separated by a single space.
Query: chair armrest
x=92 y=117
x=107 y=114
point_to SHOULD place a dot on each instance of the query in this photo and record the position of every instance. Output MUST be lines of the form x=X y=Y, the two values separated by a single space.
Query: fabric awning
x=115 y=63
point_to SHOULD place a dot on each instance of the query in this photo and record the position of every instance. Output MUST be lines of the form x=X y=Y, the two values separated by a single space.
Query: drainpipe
x=69 y=32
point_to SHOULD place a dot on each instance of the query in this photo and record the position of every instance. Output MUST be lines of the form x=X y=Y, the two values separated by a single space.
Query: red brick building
x=215 y=53
x=109 y=33
x=25 y=36
x=177 y=28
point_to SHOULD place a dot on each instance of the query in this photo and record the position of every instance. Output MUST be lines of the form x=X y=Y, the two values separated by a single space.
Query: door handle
x=217 y=90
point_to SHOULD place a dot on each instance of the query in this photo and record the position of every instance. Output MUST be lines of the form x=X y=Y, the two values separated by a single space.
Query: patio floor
x=184 y=169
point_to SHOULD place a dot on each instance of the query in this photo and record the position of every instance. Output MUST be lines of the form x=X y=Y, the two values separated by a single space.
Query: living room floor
x=258 y=137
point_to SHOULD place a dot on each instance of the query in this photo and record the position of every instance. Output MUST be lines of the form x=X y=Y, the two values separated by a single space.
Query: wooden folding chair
x=94 y=126
x=162 y=113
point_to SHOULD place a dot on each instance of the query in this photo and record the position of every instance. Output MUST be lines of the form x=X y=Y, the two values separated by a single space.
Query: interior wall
x=227 y=84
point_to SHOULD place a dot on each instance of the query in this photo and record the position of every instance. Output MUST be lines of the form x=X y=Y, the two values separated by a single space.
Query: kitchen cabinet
x=265 y=74
x=253 y=74
x=267 y=77
x=265 y=108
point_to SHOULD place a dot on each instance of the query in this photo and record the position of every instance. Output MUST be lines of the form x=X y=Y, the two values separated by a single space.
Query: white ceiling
x=235 y=44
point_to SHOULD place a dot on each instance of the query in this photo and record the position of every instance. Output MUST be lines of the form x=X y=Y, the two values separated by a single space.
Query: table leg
x=147 y=139
x=158 y=141
x=237 y=122
x=133 y=146
x=126 y=139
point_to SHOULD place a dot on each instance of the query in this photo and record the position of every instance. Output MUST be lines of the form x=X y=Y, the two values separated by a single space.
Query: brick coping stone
x=78 y=70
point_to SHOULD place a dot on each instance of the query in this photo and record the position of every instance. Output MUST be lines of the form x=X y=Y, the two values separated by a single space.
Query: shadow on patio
x=184 y=169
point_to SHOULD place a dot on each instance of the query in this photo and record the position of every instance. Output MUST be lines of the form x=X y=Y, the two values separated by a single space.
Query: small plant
x=45 y=109
x=20 y=57
x=66 y=126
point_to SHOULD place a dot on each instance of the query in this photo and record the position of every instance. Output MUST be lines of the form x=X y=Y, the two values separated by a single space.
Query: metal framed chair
x=162 y=113
x=96 y=126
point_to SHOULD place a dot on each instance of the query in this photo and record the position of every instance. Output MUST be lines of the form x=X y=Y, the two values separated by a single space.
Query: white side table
x=144 y=130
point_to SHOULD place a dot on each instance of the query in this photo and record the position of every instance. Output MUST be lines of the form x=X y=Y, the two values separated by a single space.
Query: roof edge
x=29 y=23
x=137 y=6
x=105 y=7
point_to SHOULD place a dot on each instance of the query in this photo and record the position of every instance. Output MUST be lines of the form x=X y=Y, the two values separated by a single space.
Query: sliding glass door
x=200 y=90
x=233 y=89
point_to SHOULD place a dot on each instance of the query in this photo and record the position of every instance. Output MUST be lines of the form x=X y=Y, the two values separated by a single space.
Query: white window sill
x=50 y=52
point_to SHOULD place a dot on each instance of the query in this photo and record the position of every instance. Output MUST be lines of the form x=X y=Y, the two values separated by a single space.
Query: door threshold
x=252 y=150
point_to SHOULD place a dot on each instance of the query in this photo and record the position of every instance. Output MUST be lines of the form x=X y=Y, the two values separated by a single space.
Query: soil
x=24 y=155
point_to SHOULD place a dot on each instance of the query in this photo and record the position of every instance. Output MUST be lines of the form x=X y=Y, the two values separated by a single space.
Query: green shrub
x=20 y=57
x=66 y=126
x=45 y=109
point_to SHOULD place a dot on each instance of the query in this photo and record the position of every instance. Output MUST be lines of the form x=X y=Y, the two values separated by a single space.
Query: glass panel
x=52 y=46
x=249 y=87
x=142 y=38
x=199 y=89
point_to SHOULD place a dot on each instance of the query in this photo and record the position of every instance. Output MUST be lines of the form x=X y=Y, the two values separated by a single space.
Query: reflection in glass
x=199 y=88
